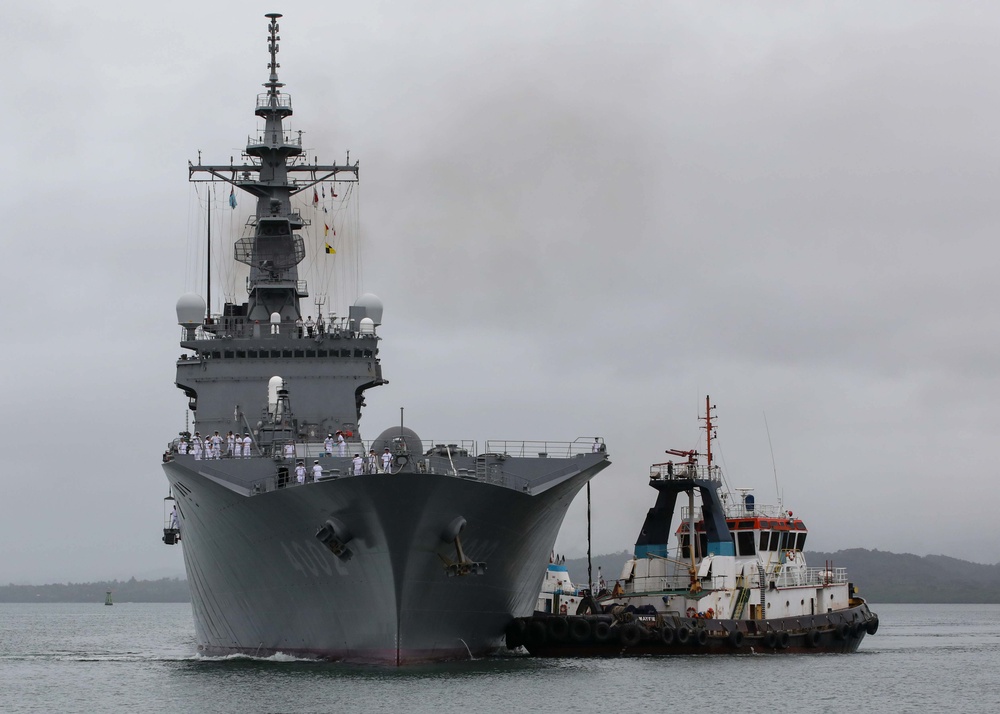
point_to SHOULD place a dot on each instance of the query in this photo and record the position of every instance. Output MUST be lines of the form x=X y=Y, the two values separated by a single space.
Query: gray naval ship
x=427 y=559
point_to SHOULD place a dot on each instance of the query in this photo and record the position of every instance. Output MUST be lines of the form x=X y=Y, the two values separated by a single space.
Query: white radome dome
x=372 y=305
x=190 y=310
x=367 y=326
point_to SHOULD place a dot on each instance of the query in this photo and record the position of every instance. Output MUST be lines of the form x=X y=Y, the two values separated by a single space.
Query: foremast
x=274 y=169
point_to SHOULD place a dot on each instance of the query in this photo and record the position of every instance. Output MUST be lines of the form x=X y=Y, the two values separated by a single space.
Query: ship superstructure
x=299 y=535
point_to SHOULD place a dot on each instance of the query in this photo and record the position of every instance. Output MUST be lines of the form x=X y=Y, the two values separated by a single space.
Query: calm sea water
x=140 y=658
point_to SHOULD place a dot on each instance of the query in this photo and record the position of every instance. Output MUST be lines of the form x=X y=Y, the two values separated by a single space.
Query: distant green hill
x=162 y=590
x=878 y=575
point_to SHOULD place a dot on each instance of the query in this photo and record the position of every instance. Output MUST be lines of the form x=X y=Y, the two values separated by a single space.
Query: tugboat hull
x=604 y=636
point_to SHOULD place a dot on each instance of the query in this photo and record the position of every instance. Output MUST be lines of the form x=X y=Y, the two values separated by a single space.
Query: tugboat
x=293 y=541
x=738 y=582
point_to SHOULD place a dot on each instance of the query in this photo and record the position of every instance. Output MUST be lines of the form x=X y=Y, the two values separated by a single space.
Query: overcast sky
x=581 y=217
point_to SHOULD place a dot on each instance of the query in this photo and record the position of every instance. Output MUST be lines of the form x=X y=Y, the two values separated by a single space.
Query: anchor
x=463 y=565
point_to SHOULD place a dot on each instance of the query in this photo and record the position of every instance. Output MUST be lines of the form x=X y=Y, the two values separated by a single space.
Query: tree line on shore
x=879 y=576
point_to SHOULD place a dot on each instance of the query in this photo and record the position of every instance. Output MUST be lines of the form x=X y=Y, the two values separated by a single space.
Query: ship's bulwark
x=262 y=583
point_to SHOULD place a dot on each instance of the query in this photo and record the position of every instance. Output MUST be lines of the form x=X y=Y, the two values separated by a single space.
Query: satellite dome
x=367 y=327
x=372 y=305
x=190 y=310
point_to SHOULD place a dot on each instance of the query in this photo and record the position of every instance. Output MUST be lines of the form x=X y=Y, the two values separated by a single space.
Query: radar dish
x=372 y=305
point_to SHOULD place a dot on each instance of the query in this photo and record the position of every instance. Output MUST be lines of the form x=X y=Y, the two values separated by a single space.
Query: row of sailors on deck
x=360 y=466
x=211 y=446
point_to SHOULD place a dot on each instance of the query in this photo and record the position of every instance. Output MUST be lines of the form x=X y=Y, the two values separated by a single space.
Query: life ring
x=692 y=612
x=790 y=556
x=563 y=609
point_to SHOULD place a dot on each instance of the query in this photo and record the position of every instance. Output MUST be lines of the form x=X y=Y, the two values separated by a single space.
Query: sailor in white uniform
x=371 y=463
x=317 y=471
x=230 y=444
x=216 y=446
x=359 y=464
x=289 y=450
x=386 y=460
x=196 y=446
x=341 y=444
x=300 y=472
x=247 y=441
x=237 y=447
x=328 y=445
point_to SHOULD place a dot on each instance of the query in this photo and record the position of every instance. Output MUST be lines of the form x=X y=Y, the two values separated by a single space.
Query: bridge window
x=744 y=539
x=775 y=541
x=802 y=541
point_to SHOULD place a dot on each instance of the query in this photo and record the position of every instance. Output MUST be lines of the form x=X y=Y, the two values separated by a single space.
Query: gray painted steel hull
x=262 y=583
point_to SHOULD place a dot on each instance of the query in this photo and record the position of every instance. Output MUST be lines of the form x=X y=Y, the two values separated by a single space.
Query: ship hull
x=261 y=582
x=602 y=636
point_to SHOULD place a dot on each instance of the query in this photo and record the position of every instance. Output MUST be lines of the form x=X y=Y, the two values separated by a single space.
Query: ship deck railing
x=461 y=459
x=239 y=328
x=684 y=471
x=785 y=578
x=544 y=449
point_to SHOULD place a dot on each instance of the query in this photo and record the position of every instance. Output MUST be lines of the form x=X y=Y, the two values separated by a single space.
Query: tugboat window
x=745 y=541
x=775 y=540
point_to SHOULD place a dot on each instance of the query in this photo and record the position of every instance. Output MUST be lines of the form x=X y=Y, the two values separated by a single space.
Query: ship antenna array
x=774 y=468
x=710 y=432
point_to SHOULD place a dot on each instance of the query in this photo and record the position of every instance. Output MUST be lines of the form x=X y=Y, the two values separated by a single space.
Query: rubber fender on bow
x=536 y=633
x=843 y=631
x=872 y=626
x=812 y=638
x=515 y=633
x=783 y=639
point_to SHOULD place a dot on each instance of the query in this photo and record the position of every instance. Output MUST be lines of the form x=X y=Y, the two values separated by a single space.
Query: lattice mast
x=272 y=248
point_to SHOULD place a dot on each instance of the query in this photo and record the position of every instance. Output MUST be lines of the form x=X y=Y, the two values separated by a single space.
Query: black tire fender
x=735 y=639
x=579 y=629
x=629 y=634
x=683 y=634
x=602 y=632
x=667 y=635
